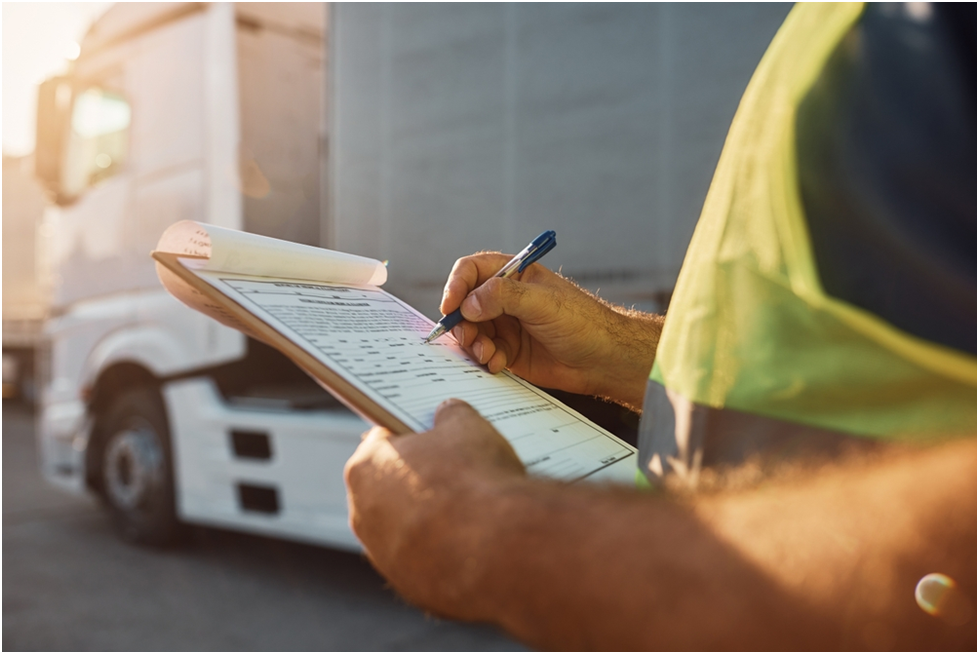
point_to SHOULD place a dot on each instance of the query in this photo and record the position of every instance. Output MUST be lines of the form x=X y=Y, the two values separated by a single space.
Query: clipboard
x=352 y=397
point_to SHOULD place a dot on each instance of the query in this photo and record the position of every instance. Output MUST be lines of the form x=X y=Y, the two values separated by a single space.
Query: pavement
x=70 y=584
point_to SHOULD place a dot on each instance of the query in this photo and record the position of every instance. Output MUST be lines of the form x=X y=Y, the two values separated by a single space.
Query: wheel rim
x=133 y=466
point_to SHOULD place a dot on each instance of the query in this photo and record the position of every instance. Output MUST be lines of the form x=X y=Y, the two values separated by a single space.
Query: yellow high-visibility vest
x=750 y=327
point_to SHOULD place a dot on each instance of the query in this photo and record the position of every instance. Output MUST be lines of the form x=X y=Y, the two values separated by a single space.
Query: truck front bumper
x=63 y=430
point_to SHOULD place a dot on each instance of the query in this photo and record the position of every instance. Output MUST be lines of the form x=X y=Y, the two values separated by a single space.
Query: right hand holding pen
x=549 y=331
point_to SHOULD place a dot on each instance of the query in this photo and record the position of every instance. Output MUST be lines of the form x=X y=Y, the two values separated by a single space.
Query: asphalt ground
x=69 y=583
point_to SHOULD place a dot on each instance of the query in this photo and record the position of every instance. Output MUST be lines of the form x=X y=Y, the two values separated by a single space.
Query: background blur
x=413 y=133
x=39 y=40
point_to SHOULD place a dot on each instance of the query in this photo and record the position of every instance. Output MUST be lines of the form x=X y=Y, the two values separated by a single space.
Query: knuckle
x=352 y=470
x=461 y=263
x=452 y=404
x=452 y=409
x=456 y=287
x=464 y=272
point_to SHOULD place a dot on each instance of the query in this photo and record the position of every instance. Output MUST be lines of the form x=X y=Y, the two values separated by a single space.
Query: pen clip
x=548 y=244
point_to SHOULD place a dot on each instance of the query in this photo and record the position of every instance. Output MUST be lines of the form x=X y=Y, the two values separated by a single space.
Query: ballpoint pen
x=534 y=251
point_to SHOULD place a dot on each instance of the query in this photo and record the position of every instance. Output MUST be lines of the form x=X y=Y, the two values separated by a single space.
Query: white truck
x=204 y=112
x=412 y=132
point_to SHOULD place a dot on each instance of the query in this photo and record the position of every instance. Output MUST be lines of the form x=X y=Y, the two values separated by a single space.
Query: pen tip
x=435 y=333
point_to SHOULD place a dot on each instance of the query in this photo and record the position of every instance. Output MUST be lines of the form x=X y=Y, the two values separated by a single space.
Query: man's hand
x=549 y=331
x=418 y=502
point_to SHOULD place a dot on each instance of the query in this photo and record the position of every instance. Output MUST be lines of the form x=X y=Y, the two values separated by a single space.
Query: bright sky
x=38 y=41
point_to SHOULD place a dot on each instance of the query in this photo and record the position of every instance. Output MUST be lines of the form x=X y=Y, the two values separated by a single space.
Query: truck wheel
x=137 y=469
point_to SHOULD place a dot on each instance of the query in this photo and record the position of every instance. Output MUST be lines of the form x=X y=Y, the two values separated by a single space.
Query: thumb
x=500 y=296
x=477 y=436
x=454 y=410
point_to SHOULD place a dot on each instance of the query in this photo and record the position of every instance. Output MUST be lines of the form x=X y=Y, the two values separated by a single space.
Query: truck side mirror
x=54 y=98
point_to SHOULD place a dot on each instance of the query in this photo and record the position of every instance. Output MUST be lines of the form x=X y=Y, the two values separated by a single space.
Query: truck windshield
x=99 y=139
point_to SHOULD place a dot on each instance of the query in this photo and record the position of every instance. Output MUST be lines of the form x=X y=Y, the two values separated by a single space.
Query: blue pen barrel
x=452 y=319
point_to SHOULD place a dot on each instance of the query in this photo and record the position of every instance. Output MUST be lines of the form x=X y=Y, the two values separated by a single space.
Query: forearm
x=826 y=563
x=576 y=569
x=634 y=337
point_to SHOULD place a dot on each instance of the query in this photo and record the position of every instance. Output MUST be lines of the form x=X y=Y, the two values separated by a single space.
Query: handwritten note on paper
x=376 y=342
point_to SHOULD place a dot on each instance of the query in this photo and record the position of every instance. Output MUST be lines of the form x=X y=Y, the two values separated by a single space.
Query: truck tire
x=137 y=469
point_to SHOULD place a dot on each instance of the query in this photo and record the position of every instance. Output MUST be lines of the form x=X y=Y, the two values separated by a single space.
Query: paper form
x=376 y=342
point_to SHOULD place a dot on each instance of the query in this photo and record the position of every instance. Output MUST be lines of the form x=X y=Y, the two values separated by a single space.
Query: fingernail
x=478 y=351
x=471 y=308
x=457 y=332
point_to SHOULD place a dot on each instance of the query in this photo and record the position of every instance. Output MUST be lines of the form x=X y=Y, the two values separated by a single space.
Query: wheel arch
x=153 y=347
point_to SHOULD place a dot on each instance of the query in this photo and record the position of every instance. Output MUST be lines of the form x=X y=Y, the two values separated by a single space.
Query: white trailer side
x=464 y=127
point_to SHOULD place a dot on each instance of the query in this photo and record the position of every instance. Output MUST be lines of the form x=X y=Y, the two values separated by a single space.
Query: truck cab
x=206 y=112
